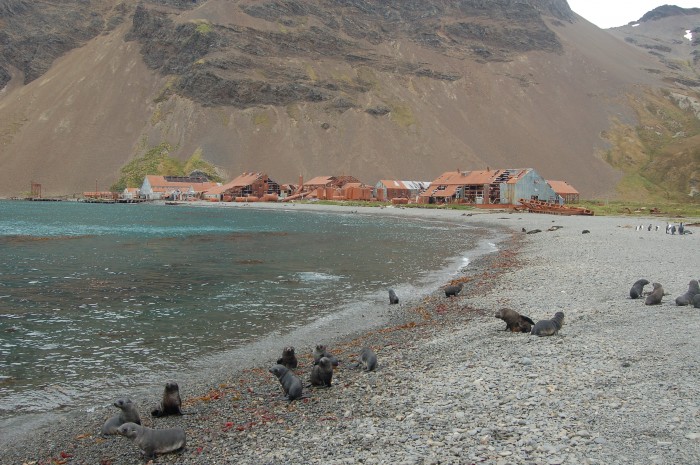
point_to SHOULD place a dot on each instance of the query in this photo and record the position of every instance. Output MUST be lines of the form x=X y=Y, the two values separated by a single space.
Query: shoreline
x=452 y=387
x=335 y=327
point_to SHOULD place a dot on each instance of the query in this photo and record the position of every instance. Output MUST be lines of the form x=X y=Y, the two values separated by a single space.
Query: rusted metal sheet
x=538 y=206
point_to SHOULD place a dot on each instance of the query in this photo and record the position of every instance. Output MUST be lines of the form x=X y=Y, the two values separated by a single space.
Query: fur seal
x=288 y=359
x=696 y=301
x=321 y=351
x=655 y=297
x=154 y=441
x=515 y=322
x=453 y=290
x=687 y=298
x=368 y=359
x=128 y=414
x=549 y=327
x=393 y=298
x=322 y=373
x=171 y=403
x=637 y=288
x=291 y=384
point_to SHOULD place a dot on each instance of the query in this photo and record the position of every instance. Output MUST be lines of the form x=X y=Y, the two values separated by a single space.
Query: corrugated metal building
x=387 y=189
x=565 y=190
x=489 y=187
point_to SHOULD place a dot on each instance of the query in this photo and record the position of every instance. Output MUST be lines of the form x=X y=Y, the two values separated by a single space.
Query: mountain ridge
x=293 y=92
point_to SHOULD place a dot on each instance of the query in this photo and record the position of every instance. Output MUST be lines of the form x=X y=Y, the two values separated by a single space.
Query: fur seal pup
x=393 y=298
x=322 y=373
x=321 y=351
x=368 y=359
x=515 y=322
x=128 y=414
x=637 y=288
x=291 y=384
x=453 y=290
x=687 y=298
x=549 y=327
x=154 y=441
x=288 y=359
x=655 y=297
x=171 y=403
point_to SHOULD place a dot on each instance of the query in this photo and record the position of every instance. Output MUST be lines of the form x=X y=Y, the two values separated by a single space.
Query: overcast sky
x=612 y=13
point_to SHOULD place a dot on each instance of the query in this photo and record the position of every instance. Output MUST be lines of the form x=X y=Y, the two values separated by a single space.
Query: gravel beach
x=619 y=384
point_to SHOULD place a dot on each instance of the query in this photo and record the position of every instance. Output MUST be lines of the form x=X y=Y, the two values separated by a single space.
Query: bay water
x=95 y=295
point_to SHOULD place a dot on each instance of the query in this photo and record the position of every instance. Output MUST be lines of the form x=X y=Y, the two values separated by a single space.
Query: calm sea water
x=91 y=292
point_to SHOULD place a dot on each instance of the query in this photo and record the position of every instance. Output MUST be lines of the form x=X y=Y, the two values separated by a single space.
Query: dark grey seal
x=696 y=301
x=128 y=414
x=393 y=298
x=322 y=373
x=451 y=291
x=171 y=403
x=291 y=384
x=549 y=327
x=687 y=298
x=515 y=322
x=637 y=288
x=154 y=441
x=655 y=297
x=368 y=359
x=321 y=351
x=288 y=359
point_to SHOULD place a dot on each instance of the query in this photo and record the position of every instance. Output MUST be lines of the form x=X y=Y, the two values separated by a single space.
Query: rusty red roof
x=320 y=181
x=463 y=178
x=562 y=187
x=449 y=191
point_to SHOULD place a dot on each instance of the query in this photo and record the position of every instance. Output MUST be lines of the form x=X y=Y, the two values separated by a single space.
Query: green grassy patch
x=668 y=209
x=659 y=157
x=402 y=114
x=157 y=161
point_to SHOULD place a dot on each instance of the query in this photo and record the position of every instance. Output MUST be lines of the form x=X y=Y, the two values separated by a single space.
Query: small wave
x=316 y=276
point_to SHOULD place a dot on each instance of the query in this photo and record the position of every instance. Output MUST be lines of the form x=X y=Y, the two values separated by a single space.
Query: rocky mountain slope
x=376 y=89
x=664 y=146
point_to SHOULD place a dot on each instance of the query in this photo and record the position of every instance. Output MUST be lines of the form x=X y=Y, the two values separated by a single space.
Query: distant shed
x=565 y=190
x=391 y=189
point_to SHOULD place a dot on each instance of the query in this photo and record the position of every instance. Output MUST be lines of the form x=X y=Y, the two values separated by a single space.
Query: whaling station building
x=399 y=191
x=174 y=187
x=249 y=187
x=490 y=187
x=500 y=187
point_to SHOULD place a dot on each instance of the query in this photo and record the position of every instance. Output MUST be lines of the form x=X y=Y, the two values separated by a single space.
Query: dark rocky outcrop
x=666 y=11
x=240 y=66
x=35 y=33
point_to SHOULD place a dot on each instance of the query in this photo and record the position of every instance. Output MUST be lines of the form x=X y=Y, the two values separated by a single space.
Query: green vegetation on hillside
x=157 y=160
x=660 y=158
